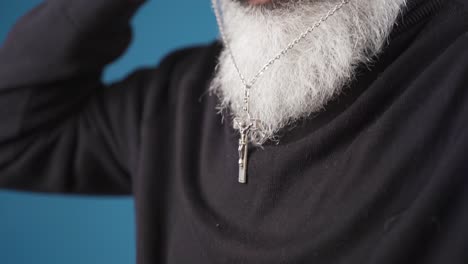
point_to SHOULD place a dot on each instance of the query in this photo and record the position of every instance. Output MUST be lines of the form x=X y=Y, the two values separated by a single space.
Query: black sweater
x=379 y=177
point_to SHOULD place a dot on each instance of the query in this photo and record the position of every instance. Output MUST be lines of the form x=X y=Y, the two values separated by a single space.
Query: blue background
x=85 y=230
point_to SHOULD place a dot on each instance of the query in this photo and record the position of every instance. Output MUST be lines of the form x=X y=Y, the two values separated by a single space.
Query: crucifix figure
x=245 y=128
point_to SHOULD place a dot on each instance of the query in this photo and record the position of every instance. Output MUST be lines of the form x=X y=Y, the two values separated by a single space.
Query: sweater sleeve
x=61 y=129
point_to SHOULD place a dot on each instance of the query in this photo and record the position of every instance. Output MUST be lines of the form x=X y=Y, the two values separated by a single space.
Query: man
x=353 y=138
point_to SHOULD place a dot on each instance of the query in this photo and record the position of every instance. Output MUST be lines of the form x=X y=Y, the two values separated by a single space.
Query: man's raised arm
x=61 y=130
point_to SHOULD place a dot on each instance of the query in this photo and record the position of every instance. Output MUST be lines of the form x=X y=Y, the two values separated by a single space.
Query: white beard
x=313 y=72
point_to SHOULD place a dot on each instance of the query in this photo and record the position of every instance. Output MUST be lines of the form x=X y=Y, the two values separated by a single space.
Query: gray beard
x=311 y=74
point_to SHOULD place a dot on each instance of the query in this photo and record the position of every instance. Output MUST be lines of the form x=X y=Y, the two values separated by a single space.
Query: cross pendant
x=243 y=154
x=245 y=128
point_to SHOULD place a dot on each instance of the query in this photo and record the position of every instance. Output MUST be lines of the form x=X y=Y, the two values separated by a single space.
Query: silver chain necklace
x=246 y=127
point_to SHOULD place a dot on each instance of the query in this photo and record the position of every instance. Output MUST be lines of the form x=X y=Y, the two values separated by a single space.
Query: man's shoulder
x=187 y=58
x=186 y=72
x=195 y=63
